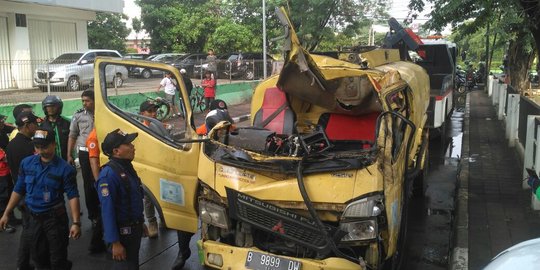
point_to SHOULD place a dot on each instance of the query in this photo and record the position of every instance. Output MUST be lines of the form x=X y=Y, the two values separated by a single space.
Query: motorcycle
x=460 y=81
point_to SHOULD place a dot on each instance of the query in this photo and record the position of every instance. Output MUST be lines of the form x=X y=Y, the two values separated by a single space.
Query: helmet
x=50 y=101
x=183 y=71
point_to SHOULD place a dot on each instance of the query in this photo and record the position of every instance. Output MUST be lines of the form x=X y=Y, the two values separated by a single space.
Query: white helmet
x=183 y=71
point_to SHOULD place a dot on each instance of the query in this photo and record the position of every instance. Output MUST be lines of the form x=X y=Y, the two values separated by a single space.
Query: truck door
x=167 y=150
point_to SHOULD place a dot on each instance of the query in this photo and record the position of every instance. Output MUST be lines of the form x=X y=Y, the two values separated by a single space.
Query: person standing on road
x=19 y=148
x=209 y=86
x=44 y=178
x=169 y=87
x=16 y=110
x=121 y=195
x=52 y=108
x=82 y=124
x=187 y=82
x=211 y=59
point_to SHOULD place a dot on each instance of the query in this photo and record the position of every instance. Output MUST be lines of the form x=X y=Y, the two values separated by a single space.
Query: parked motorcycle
x=460 y=80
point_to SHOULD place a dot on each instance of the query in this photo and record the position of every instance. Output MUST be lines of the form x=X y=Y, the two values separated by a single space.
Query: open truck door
x=167 y=151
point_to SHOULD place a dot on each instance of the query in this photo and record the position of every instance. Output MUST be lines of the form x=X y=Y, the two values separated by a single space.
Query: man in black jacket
x=19 y=148
x=52 y=108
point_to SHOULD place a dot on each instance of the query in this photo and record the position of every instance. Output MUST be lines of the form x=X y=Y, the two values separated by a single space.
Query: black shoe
x=180 y=260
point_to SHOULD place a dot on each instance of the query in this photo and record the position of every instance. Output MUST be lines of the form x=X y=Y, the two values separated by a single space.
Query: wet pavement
x=429 y=233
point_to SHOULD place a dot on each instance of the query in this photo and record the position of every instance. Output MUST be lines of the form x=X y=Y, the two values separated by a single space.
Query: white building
x=33 y=31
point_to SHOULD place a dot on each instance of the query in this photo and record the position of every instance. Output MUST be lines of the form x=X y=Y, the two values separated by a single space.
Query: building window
x=20 y=20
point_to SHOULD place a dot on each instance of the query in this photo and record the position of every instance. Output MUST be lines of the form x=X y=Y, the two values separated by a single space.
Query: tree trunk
x=519 y=61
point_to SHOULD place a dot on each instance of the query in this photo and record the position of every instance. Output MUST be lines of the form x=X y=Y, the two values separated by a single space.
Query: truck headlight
x=366 y=207
x=359 y=230
x=213 y=214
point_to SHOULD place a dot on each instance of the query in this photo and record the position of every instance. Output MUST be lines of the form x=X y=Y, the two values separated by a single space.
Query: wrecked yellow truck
x=319 y=180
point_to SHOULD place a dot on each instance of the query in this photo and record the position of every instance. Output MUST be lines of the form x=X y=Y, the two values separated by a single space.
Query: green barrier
x=232 y=94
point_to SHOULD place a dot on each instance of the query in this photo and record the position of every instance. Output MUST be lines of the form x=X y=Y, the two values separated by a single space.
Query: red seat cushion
x=341 y=127
x=283 y=123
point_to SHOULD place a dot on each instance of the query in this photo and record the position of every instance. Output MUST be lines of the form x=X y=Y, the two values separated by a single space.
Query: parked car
x=76 y=69
x=522 y=256
x=189 y=61
x=137 y=56
x=244 y=65
x=199 y=69
x=166 y=58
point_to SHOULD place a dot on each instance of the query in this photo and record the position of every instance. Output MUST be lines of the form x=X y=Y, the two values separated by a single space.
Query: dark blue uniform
x=121 y=195
x=44 y=186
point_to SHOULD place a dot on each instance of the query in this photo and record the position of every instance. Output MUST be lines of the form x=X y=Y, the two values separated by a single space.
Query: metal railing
x=521 y=116
x=65 y=76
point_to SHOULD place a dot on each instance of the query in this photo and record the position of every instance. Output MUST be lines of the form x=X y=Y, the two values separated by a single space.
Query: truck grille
x=43 y=75
x=277 y=221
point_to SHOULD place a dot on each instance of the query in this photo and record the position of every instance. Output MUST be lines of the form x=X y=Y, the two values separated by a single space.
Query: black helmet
x=50 y=101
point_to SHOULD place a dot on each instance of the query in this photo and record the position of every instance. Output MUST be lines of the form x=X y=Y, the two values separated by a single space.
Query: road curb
x=460 y=253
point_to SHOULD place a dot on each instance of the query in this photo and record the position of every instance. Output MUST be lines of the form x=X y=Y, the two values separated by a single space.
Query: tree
x=108 y=31
x=518 y=20
x=193 y=25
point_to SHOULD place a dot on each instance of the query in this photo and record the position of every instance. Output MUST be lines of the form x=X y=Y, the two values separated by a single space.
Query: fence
x=74 y=75
x=521 y=116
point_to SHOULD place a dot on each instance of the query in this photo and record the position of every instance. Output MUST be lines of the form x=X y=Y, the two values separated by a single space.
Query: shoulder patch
x=104 y=191
x=80 y=110
x=103 y=185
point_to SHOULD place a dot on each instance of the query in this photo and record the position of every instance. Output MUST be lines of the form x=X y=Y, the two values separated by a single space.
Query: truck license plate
x=260 y=261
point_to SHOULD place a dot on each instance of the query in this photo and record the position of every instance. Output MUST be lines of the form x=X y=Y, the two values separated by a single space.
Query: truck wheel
x=73 y=84
x=146 y=74
x=420 y=181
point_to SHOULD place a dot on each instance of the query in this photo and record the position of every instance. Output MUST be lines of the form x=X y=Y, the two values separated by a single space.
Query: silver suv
x=76 y=69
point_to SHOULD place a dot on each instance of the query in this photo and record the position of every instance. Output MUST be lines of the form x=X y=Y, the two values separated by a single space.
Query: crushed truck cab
x=322 y=177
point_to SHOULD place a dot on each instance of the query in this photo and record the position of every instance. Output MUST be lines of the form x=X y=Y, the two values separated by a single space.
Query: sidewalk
x=499 y=212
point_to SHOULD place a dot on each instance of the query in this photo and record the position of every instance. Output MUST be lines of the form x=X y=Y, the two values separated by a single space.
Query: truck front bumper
x=235 y=258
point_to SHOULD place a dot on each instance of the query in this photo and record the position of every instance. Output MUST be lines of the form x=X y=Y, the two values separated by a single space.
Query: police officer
x=44 y=178
x=121 y=195
x=52 y=108
x=81 y=126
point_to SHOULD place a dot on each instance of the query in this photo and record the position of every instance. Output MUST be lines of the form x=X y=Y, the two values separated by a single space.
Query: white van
x=74 y=70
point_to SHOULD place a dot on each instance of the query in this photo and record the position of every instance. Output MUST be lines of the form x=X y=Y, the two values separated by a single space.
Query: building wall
x=52 y=27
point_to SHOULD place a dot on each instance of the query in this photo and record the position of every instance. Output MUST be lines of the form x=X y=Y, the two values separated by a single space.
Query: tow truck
x=322 y=177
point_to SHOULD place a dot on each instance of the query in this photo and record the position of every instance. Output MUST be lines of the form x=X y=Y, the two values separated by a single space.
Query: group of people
x=37 y=167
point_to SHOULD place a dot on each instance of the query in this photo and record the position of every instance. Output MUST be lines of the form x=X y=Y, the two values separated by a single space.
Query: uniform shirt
x=61 y=127
x=117 y=207
x=17 y=149
x=92 y=144
x=82 y=124
x=168 y=85
x=44 y=184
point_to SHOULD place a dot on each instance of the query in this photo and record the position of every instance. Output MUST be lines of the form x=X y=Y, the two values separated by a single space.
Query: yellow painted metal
x=156 y=162
x=235 y=258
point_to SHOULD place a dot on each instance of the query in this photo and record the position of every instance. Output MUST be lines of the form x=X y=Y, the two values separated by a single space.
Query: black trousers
x=132 y=244
x=25 y=242
x=183 y=243
x=50 y=239
x=90 y=193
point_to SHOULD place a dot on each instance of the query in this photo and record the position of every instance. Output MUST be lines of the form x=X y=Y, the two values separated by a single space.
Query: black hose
x=313 y=213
